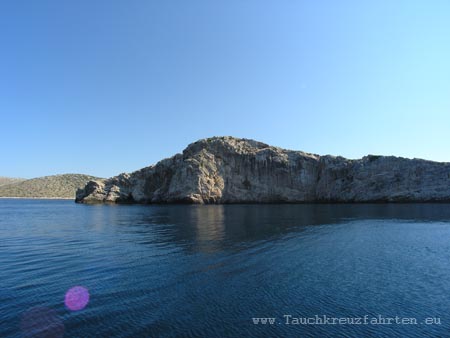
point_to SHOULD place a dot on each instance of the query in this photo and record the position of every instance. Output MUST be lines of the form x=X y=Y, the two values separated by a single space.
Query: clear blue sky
x=103 y=87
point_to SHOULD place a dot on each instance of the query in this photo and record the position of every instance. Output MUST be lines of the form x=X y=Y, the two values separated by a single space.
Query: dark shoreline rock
x=232 y=170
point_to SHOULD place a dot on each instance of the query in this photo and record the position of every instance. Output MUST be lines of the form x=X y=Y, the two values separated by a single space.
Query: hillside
x=9 y=180
x=57 y=186
x=233 y=170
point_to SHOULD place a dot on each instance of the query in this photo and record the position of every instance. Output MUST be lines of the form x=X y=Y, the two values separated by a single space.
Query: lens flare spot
x=76 y=298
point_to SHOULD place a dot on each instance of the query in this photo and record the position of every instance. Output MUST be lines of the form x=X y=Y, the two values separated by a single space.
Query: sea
x=268 y=270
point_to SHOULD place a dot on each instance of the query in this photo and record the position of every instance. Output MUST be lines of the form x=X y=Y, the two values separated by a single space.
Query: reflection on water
x=209 y=227
x=215 y=227
x=205 y=271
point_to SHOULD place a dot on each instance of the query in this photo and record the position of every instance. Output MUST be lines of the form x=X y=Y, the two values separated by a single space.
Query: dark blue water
x=206 y=271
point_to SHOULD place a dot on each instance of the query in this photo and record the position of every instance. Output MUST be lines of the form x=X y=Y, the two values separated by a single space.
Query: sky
x=103 y=87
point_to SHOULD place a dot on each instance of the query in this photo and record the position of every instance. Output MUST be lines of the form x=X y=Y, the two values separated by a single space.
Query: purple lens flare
x=76 y=298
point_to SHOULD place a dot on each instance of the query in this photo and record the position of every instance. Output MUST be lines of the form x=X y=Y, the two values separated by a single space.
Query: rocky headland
x=234 y=170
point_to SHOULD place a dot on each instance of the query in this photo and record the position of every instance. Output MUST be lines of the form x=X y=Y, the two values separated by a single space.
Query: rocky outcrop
x=232 y=170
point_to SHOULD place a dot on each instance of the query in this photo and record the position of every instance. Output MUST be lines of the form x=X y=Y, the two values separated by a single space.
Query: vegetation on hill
x=57 y=186
x=9 y=180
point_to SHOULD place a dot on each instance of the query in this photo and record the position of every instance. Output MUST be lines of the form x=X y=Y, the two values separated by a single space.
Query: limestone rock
x=232 y=170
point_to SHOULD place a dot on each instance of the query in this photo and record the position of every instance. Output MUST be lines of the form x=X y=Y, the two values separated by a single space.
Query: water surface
x=206 y=271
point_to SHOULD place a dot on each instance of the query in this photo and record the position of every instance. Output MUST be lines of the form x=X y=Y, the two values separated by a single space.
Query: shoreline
x=39 y=198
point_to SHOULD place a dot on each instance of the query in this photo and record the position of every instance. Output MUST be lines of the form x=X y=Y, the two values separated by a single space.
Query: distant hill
x=57 y=186
x=9 y=180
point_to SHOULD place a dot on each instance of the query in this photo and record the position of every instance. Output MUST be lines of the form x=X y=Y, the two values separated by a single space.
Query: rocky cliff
x=232 y=170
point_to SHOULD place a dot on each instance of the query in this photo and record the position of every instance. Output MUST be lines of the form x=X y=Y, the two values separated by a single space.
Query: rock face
x=232 y=170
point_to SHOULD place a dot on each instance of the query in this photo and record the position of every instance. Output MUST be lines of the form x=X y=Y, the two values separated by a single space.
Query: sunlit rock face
x=232 y=170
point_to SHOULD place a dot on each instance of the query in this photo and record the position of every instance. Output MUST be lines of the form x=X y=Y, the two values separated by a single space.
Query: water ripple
x=205 y=271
